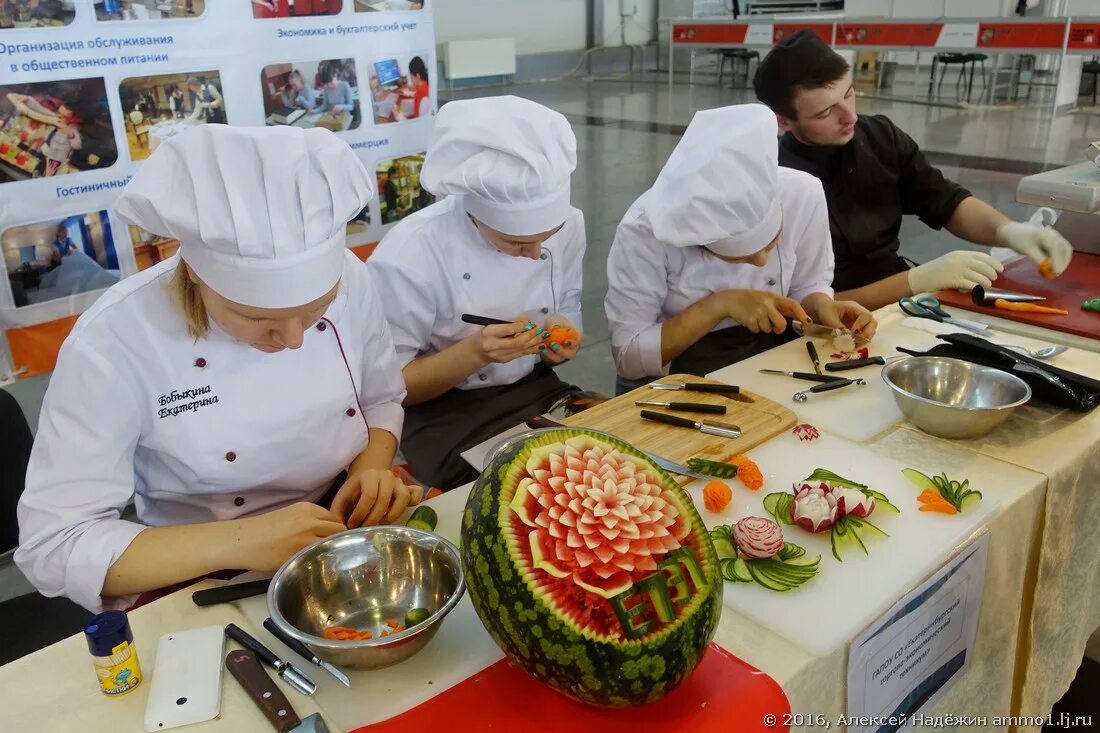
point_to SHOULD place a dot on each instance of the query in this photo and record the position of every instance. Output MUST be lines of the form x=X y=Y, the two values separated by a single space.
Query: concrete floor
x=627 y=128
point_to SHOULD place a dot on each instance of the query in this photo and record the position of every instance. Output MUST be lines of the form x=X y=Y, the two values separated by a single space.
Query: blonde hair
x=190 y=302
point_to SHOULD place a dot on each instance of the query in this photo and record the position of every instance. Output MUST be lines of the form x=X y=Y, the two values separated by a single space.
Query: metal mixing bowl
x=361 y=578
x=952 y=398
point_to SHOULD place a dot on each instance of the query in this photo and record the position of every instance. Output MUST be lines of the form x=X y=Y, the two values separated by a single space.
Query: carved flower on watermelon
x=596 y=517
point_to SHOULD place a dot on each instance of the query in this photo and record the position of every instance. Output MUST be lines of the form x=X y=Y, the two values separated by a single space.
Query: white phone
x=187 y=679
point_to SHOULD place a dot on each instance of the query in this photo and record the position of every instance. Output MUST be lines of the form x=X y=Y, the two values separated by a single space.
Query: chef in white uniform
x=502 y=242
x=224 y=390
x=708 y=264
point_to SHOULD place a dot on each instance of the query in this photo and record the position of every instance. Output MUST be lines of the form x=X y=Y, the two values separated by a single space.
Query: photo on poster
x=156 y=108
x=149 y=248
x=148 y=9
x=399 y=191
x=376 y=6
x=359 y=223
x=400 y=88
x=36 y=13
x=295 y=8
x=59 y=257
x=53 y=128
x=312 y=94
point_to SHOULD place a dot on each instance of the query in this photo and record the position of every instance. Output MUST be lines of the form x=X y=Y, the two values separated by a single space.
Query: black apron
x=438 y=431
x=714 y=351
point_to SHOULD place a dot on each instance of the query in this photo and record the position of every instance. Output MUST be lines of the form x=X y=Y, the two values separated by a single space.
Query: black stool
x=736 y=56
x=962 y=60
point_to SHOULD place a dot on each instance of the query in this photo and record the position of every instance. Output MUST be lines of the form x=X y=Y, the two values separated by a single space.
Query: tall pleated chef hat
x=509 y=158
x=718 y=188
x=260 y=213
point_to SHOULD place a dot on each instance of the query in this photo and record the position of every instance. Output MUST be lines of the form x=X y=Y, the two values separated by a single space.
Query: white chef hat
x=509 y=158
x=718 y=187
x=260 y=213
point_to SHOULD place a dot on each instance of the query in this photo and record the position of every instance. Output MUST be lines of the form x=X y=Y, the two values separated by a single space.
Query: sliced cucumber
x=423 y=518
x=919 y=480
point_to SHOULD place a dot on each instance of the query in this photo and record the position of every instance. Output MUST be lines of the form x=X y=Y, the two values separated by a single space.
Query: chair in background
x=1092 y=67
x=735 y=56
x=31 y=621
x=962 y=60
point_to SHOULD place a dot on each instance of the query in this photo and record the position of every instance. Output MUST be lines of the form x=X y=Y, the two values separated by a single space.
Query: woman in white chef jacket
x=224 y=390
x=503 y=242
x=708 y=264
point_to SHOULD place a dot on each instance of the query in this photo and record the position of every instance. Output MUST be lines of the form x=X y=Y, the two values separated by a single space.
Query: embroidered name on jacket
x=188 y=400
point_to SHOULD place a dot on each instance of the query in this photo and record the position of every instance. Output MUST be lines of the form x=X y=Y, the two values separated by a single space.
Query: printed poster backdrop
x=88 y=90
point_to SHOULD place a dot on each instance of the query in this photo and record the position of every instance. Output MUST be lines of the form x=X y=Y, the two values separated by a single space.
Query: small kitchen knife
x=305 y=652
x=729 y=390
x=812 y=350
x=271 y=701
x=808 y=376
x=541 y=421
x=722 y=430
x=684 y=406
x=841 y=366
x=231 y=592
x=290 y=675
x=482 y=320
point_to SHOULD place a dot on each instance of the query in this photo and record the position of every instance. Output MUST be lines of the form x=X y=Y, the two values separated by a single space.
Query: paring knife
x=684 y=406
x=812 y=350
x=722 y=430
x=812 y=330
x=305 y=652
x=808 y=376
x=296 y=679
x=541 y=421
x=729 y=390
x=841 y=366
x=263 y=691
x=231 y=592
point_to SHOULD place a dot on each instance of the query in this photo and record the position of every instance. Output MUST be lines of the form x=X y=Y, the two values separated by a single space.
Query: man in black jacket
x=873 y=174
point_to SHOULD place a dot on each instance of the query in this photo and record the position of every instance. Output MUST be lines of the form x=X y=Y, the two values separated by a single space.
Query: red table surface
x=722 y=694
x=1078 y=283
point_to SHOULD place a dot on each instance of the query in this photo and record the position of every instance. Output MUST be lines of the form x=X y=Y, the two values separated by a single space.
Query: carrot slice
x=1029 y=308
x=392 y=623
x=930 y=496
x=941 y=507
x=1046 y=269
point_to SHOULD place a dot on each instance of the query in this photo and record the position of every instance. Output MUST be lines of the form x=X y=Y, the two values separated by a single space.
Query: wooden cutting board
x=759 y=421
x=1078 y=283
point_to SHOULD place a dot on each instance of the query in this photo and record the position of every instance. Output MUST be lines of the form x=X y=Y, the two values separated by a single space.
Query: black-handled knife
x=698 y=387
x=842 y=366
x=304 y=651
x=710 y=428
x=232 y=592
x=296 y=679
x=684 y=406
x=827 y=386
x=808 y=376
x=482 y=320
x=812 y=350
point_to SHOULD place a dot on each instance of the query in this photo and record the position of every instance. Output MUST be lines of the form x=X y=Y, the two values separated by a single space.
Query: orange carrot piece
x=748 y=472
x=1029 y=308
x=717 y=496
x=1046 y=269
x=930 y=496
x=942 y=507
x=392 y=623
x=560 y=335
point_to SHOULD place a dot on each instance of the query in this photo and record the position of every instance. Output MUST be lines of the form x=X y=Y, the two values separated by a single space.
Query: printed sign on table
x=906 y=660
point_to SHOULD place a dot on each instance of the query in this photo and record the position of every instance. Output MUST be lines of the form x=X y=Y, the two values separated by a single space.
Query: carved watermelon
x=590 y=567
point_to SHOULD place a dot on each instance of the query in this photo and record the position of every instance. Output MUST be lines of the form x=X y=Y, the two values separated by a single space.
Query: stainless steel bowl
x=952 y=398
x=361 y=578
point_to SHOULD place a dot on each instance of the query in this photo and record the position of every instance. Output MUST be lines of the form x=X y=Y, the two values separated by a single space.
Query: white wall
x=931 y=8
x=539 y=26
x=1083 y=7
x=640 y=27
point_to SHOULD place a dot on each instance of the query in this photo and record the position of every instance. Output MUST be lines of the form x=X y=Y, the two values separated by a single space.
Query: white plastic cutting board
x=829 y=610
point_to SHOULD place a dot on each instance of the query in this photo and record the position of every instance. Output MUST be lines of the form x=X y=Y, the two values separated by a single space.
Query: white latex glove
x=1037 y=244
x=959 y=270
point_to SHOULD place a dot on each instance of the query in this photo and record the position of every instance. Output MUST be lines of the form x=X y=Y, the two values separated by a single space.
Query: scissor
x=928 y=307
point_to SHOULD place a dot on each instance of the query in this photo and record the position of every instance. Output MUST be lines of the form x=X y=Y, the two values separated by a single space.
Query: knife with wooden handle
x=271 y=701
